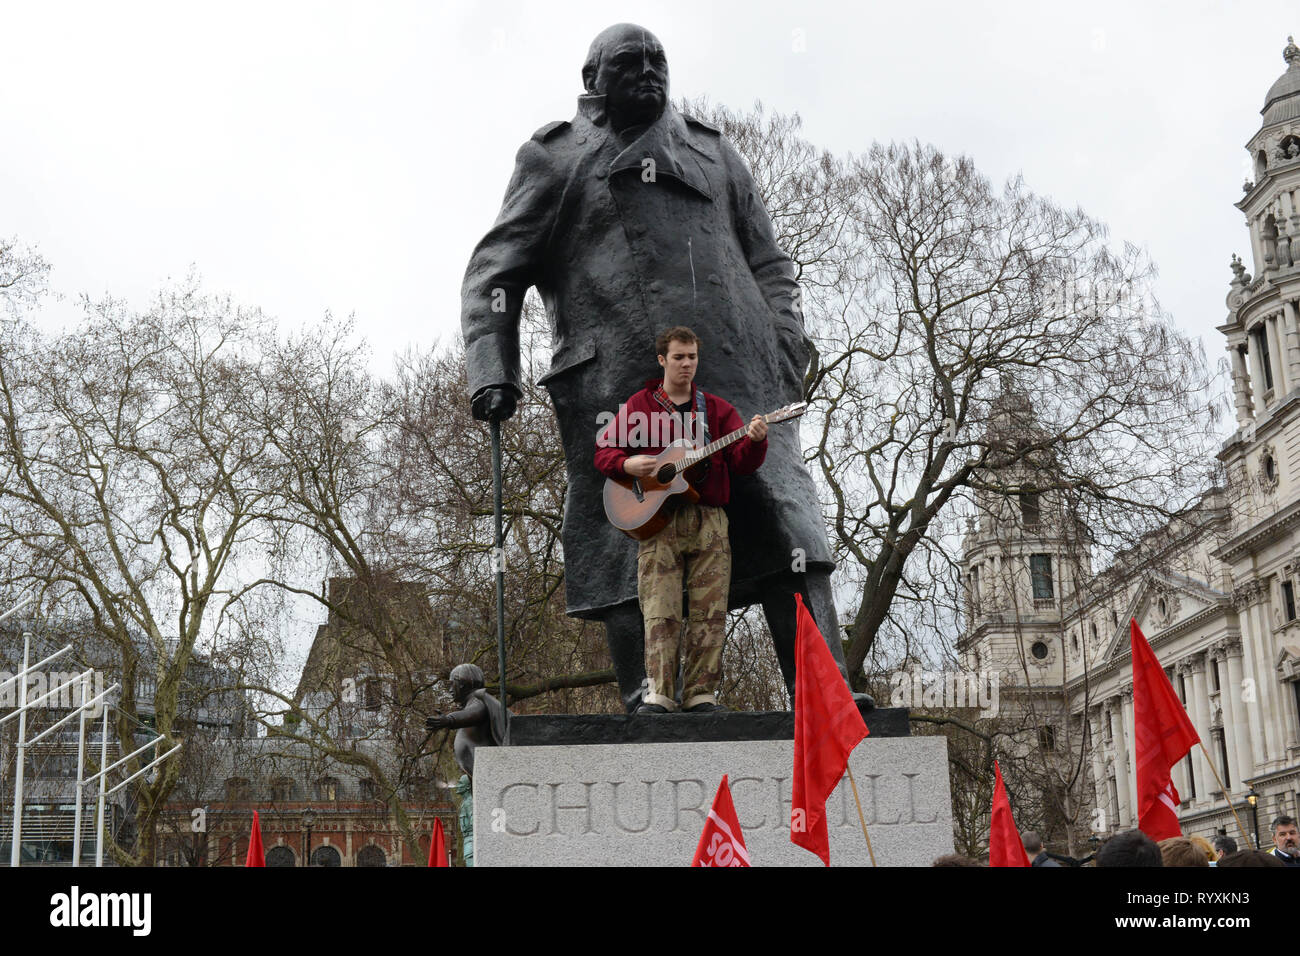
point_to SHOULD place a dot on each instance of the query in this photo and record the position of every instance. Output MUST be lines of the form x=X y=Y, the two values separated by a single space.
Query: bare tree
x=932 y=296
x=130 y=490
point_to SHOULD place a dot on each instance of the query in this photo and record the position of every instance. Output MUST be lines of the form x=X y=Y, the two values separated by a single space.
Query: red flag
x=438 y=845
x=256 y=855
x=722 y=843
x=1162 y=735
x=827 y=726
x=1005 y=848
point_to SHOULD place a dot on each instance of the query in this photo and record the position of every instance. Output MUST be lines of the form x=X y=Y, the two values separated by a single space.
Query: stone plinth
x=535 y=730
x=644 y=804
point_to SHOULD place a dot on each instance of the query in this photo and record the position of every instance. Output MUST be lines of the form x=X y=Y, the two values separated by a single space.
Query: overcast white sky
x=347 y=156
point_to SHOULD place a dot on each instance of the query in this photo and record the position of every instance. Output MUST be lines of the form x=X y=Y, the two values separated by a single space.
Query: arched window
x=371 y=856
x=280 y=856
x=326 y=856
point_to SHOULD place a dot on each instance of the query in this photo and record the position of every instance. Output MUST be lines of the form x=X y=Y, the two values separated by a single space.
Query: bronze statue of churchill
x=628 y=219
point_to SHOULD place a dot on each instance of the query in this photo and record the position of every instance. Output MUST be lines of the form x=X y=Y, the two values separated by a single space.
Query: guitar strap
x=702 y=413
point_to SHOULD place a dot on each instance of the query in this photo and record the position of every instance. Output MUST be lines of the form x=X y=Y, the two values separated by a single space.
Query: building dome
x=1283 y=100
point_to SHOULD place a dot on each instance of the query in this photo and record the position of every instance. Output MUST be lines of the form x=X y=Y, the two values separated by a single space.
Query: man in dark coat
x=628 y=219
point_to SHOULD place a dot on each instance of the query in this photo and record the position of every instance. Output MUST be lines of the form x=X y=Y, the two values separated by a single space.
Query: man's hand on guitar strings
x=640 y=466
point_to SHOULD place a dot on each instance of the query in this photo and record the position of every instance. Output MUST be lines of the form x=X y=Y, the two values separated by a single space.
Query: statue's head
x=628 y=65
x=465 y=679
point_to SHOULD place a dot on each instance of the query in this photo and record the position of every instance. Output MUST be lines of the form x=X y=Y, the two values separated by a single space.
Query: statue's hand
x=436 y=722
x=494 y=404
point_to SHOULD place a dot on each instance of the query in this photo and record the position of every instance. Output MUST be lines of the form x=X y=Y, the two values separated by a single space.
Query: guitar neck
x=695 y=457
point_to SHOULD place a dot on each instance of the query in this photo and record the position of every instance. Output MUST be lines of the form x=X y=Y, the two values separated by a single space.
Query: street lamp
x=308 y=818
x=1253 y=799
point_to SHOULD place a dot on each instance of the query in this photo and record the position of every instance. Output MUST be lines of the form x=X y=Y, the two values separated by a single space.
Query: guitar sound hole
x=666 y=474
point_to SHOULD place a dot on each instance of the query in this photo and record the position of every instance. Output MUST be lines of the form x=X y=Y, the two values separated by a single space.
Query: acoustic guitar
x=640 y=507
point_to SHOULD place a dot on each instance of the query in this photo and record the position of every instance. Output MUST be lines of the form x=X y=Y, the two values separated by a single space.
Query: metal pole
x=16 y=836
x=16 y=608
x=103 y=782
x=146 y=768
x=499 y=559
x=22 y=673
x=81 y=773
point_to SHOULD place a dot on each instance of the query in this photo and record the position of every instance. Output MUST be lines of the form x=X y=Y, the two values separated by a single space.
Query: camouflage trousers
x=692 y=551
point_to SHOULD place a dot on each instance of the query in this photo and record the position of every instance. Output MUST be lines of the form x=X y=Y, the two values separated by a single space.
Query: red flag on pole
x=722 y=843
x=1162 y=735
x=827 y=726
x=1005 y=848
x=438 y=845
x=256 y=855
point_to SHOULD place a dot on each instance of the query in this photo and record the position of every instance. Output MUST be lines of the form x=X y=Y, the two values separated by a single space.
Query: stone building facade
x=1217 y=594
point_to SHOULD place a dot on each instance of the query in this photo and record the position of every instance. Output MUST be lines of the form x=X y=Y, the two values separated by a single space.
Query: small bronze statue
x=481 y=721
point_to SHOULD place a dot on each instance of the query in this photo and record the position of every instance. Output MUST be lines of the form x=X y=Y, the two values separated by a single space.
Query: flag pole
x=1227 y=799
x=861 y=819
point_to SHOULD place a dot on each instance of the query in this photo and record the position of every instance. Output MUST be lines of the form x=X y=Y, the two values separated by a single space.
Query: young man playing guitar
x=692 y=547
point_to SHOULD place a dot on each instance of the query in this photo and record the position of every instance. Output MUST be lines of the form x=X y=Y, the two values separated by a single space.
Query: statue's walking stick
x=499 y=564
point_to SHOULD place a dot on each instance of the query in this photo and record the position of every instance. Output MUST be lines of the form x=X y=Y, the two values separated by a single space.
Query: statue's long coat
x=623 y=241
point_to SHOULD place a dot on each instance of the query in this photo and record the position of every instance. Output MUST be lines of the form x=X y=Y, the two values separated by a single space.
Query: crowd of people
x=1135 y=848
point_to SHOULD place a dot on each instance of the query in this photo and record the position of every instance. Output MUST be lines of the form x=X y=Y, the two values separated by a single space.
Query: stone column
x=1096 y=743
x=1276 y=357
x=1119 y=751
x=1130 y=751
x=1257 y=661
x=1286 y=692
x=1241 y=671
x=1240 y=385
x=1258 y=383
x=1292 y=342
x=1236 y=728
x=1200 y=713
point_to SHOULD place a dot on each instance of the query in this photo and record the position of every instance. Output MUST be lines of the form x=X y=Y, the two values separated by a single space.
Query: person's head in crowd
x=955 y=859
x=1250 y=858
x=1206 y=849
x=1033 y=843
x=1223 y=845
x=1285 y=836
x=1180 y=851
x=1130 y=848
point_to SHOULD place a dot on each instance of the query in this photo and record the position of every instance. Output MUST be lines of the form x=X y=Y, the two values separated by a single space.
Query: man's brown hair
x=1180 y=851
x=678 y=333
